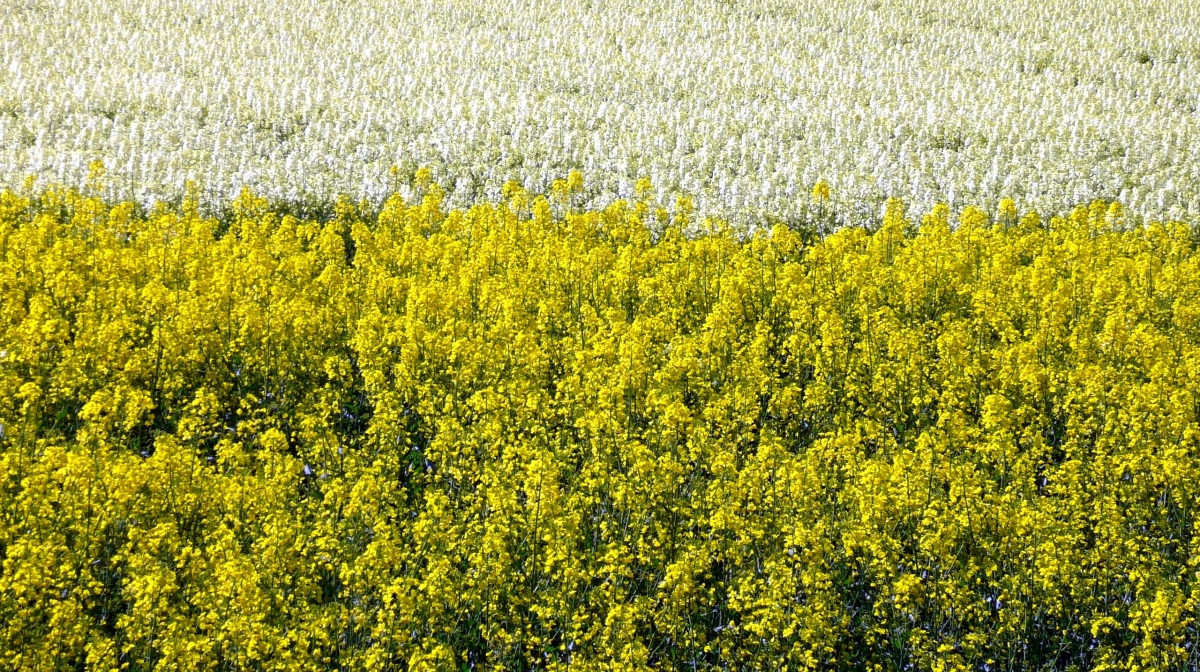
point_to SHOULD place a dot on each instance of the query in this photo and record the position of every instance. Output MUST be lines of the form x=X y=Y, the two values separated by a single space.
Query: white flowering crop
x=744 y=104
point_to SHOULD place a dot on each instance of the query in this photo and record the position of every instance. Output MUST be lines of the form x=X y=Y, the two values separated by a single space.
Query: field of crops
x=744 y=104
x=514 y=335
x=525 y=439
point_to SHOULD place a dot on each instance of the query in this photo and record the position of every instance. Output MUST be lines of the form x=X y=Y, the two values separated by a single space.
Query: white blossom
x=743 y=103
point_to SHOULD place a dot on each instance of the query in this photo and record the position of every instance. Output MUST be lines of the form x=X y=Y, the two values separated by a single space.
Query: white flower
x=879 y=102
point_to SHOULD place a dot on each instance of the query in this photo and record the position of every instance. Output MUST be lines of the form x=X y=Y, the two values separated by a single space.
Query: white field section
x=743 y=104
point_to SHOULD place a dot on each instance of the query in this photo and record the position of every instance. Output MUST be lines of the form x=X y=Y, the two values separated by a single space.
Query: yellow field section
x=527 y=437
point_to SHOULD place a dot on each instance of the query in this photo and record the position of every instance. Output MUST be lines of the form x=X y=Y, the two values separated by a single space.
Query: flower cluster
x=531 y=435
x=742 y=104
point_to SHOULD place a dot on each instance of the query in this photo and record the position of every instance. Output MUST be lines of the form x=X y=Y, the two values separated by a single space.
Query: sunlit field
x=599 y=336
x=743 y=104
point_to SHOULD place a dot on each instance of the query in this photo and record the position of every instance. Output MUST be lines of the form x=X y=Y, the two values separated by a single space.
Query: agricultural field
x=599 y=336
x=744 y=104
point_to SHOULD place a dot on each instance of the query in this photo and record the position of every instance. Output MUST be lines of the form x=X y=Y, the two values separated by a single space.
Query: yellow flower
x=506 y=438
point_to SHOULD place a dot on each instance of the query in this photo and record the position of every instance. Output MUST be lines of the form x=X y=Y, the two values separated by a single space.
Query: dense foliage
x=530 y=437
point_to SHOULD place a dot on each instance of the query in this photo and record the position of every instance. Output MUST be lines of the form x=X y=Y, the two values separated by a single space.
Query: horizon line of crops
x=816 y=214
x=524 y=437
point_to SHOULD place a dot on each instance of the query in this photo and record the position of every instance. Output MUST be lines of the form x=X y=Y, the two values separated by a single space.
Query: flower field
x=529 y=436
x=744 y=104
x=514 y=335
